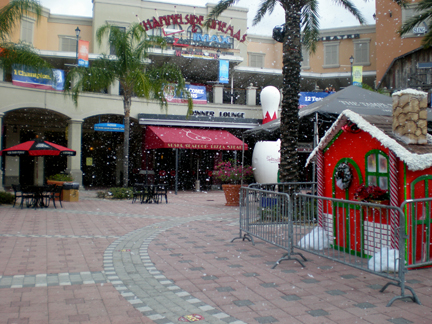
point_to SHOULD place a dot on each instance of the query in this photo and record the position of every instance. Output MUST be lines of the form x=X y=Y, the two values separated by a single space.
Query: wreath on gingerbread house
x=343 y=176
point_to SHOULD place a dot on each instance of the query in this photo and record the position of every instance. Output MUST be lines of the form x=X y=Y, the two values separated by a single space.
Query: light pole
x=351 y=61
x=77 y=32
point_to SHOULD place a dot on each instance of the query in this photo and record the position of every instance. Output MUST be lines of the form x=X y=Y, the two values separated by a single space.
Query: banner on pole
x=357 y=75
x=223 y=71
x=83 y=51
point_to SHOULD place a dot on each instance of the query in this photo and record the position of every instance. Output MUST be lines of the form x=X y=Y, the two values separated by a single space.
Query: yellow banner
x=357 y=75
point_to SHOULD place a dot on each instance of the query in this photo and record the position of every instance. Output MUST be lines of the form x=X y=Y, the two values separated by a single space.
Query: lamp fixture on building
x=390 y=13
x=351 y=61
x=77 y=33
x=374 y=16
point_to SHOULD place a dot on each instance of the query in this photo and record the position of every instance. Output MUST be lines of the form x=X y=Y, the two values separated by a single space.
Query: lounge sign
x=194 y=21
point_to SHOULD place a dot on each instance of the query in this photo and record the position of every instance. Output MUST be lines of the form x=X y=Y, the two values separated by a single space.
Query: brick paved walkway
x=107 y=261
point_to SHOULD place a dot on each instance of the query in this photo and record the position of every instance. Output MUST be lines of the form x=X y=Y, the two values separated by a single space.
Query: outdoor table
x=148 y=195
x=38 y=196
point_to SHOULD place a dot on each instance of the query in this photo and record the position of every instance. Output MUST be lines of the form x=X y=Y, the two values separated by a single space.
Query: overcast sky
x=331 y=15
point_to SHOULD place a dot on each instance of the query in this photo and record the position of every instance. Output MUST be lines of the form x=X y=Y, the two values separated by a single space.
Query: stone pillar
x=218 y=93
x=1 y=137
x=251 y=95
x=74 y=143
x=1 y=75
x=410 y=116
x=114 y=88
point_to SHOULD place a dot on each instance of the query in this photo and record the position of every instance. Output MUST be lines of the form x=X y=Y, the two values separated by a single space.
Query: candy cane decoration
x=394 y=190
x=320 y=189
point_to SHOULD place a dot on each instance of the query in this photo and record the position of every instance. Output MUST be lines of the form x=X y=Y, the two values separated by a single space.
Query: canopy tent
x=157 y=137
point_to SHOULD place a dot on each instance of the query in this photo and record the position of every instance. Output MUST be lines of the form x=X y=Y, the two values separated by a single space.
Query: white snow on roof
x=413 y=161
x=409 y=91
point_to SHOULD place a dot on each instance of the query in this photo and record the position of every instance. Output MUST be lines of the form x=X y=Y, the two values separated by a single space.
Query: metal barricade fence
x=418 y=217
x=366 y=236
x=287 y=187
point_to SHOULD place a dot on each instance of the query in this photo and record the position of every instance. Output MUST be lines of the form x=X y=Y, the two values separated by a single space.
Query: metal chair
x=23 y=193
x=56 y=194
x=137 y=192
x=160 y=192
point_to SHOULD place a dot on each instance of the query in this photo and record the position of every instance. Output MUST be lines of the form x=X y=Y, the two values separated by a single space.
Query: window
x=361 y=52
x=331 y=55
x=377 y=169
x=256 y=60
x=68 y=44
x=27 y=26
x=112 y=49
x=305 y=59
x=418 y=31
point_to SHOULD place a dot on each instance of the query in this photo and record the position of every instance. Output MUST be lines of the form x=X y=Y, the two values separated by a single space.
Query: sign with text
x=198 y=94
x=25 y=76
x=306 y=98
x=357 y=75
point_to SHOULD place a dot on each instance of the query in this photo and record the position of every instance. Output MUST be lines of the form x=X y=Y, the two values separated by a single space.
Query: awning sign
x=223 y=71
x=307 y=98
x=109 y=127
x=83 y=52
x=357 y=75
x=25 y=76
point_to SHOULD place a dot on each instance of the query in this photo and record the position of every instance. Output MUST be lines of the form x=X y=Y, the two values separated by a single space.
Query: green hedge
x=116 y=193
x=6 y=197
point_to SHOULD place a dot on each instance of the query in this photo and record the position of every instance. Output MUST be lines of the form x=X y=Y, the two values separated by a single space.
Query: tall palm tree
x=424 y=15
x=12 y=53
x=301 y=16
x=130 y=67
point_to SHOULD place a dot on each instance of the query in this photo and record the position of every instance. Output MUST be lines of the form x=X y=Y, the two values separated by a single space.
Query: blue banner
x=223 y=71
x=26 y=76
x=306 y=98
x=198 y=94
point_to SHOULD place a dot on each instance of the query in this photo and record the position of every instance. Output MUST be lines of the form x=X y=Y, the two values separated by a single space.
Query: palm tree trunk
x=126 y=105
x=289 y=167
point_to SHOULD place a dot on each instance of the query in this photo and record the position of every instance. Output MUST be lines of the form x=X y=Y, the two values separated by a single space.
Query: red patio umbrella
x=38 y=148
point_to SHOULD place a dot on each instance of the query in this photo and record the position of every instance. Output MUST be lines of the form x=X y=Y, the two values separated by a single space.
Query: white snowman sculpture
x=266 y=154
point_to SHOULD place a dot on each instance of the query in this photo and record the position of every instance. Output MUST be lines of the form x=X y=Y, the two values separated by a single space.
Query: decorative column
x=114 y=88
x=218 y=93
x=251 y=95
x=74 y=143
x=11 y=173
x=320 y=189
x=394 y=200
x=1 y=137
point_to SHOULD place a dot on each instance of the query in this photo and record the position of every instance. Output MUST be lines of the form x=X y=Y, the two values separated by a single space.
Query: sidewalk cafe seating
x=137 y=192
x=161 y=191
x=22 y=193
x=55 y=195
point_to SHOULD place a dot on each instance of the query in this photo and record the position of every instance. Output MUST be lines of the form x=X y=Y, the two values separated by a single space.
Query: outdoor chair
x=161 y=191
x=21 y=193
x=48 y=193
x=137 y=192
x=56 y=194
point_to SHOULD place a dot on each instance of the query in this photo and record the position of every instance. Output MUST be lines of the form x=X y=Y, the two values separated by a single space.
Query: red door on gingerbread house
x=346 y=216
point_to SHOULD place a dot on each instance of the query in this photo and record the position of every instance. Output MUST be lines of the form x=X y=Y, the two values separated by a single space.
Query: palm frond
x=21 y=53
x=424 y=15
x=348 y=5
x=14 y=11
x=310 y=25
x=267 y=7
x=218 y=9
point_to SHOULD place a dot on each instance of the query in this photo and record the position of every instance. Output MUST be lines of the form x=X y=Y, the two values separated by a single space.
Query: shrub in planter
x=120 y=193
x=60 y=177
x=6 y=198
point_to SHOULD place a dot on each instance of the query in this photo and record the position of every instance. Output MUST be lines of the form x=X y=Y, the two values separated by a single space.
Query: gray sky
x=331 y=14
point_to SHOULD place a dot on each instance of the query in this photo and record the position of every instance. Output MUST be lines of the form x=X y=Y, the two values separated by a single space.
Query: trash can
x=70 y=191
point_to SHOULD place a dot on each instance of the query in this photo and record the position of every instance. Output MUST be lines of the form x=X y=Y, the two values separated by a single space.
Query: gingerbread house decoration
x=393 y=153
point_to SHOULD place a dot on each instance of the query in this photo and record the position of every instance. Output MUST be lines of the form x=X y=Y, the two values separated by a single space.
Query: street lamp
x=351 y=61
x=77 y=33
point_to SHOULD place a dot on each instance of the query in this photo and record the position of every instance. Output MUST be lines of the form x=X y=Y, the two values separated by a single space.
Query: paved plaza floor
x=110 y=261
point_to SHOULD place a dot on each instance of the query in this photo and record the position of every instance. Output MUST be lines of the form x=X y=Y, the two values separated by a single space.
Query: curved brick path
x=105 y=261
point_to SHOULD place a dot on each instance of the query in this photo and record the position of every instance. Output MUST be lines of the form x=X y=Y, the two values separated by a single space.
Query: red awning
x=191 y=138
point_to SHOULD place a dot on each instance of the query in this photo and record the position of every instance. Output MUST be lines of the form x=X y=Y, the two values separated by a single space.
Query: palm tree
x=424 y=15
x=130 y=67
x=12 y=53
x=299 y=15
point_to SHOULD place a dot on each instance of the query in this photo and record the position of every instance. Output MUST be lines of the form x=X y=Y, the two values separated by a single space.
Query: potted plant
x=232 y=176
x=59 y=179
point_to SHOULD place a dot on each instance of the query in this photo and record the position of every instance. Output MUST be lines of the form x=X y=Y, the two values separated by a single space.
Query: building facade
x=253 y=62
